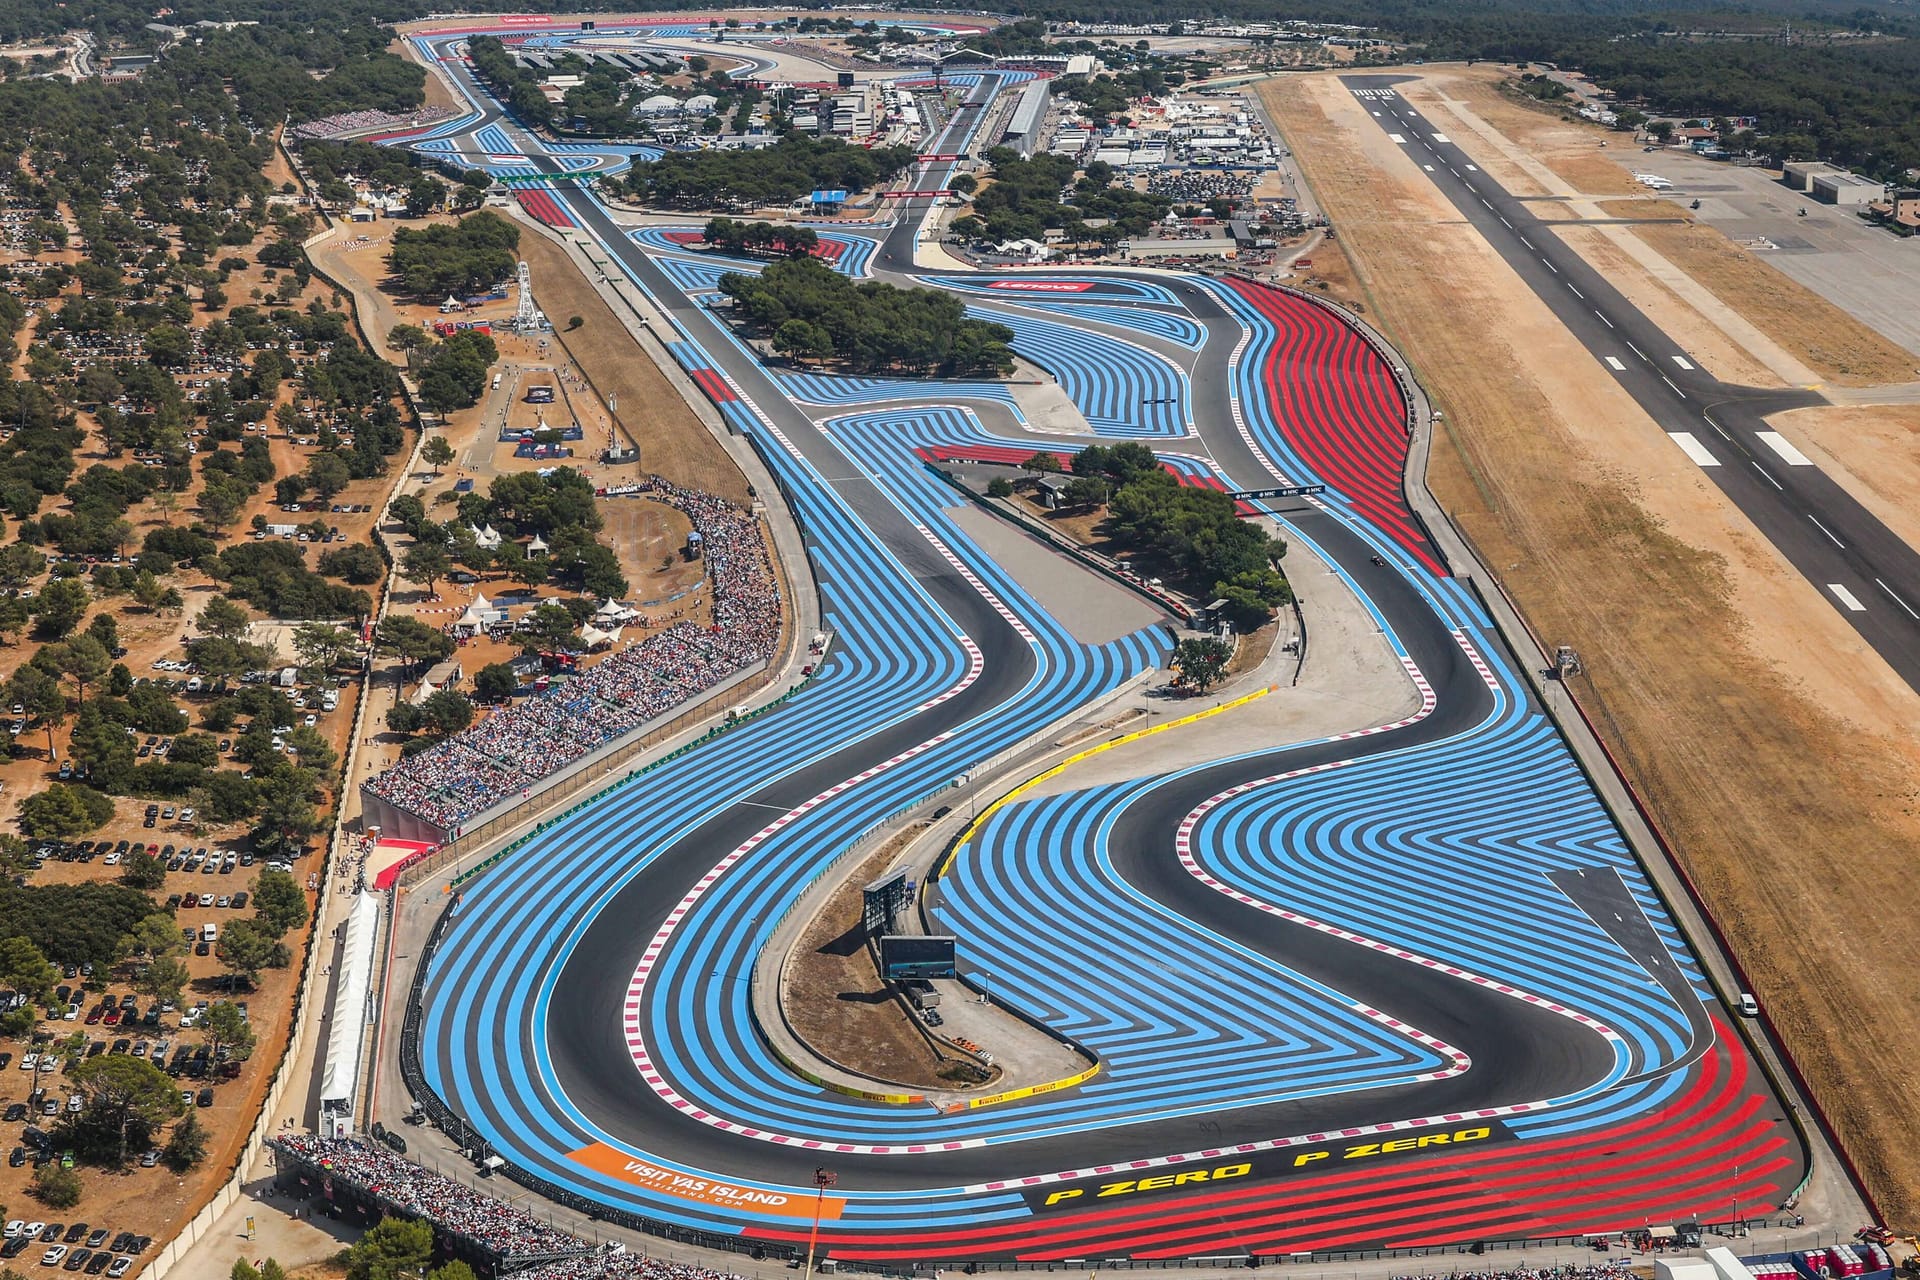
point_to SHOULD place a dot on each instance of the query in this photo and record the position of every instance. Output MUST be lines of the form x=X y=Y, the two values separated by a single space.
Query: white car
x=14 y=1228
x=28 y=1061
x=54 y=1256
x=121 y=1265
x=33 y=1229
x=112 y=860
x=311 y=720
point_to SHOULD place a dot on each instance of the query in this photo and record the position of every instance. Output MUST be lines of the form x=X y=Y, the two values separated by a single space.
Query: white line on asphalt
x=1576 y=291
x=1471 y=187
x=1784 y=447
x=1618 y=367
x=1603 y=318
x=1526 y=242
x=1551 y=267
x=1397 y=138
x=1896 y=599
x=1486 y=206
x=1439 y=137
x=1677 y=391
x=1504 y=222
x=1637 y=351
x=1376 y=113
x=1822 y=528
x=1682 y=362
x=1769 y=475
x=1847 y=597
x=1708 y=418
x=1692 y=447
x=1427 y=167
x=1471 y=169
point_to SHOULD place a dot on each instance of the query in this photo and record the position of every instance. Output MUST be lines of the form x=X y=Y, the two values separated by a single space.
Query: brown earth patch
x=1877 y=449
x=837 y=1003
x=673 y=441
x=1772 y=747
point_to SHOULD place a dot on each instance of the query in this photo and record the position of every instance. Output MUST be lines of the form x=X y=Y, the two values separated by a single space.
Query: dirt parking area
x=1775 y=750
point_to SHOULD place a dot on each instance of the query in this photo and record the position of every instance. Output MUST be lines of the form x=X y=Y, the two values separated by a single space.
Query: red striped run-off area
x=713 y=384
x=1339 y=407
x=1715 y=1141
x=543 y=206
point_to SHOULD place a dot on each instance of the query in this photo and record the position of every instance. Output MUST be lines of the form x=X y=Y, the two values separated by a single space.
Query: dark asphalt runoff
x=1820 y=528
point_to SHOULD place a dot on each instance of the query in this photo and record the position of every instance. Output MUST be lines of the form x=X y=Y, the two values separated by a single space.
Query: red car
x=112 y=1018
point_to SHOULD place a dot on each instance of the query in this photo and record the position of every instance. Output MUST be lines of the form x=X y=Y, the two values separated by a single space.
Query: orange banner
x=687 y=1186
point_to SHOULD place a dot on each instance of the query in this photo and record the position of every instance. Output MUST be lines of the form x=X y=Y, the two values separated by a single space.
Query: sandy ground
x=1874 y=449
x=1775 y=749
x=673 y=442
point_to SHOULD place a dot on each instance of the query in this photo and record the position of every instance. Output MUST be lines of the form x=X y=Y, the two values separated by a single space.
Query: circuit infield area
x=1404 y=985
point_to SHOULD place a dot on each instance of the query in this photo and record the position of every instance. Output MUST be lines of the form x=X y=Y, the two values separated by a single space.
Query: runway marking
x=1784 y=447
x=1526 y=242
x=1896 y=599
x=1504 y=222
x=1677 y=391
x=1471 y=187
x=1550 y=266
x=1682 y=362
x=1769 y=475
x=1440 y=137
x=1486 y=206
x=1376 y=113
x=1847 y=598
x=1692 y=447
x=1427 y=167
x=1471 y=169
x=1637 y=351
x=1619 y=365
x=1822 y=528
x=1397 y=138
x=1576 y=291
x=1722 y=431
x=1603 y=318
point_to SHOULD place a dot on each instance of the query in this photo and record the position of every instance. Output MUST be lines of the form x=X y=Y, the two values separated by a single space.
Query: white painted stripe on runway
x=1440 y=137
x=1830 y=534
x=1576 y=291
x=1720 y=430
x=1896 y=599
x=1471 y=169
x=1551 y=267
x=1682 y=362
x=1618 y=365
x=1847 y=597
x=1769 y=477
x=1504 y=222
x=1603 y=318
x=1376 y=113
x=1427 y=167
x=1526 y=242
x=1637 y=351
x=1691 y=446
x=1677 y=391
x=1397 y=138
x=1784 y=447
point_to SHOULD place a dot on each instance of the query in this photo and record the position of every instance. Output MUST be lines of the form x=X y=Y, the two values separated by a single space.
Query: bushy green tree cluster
x=516 y=87
x=454 y=372
x=459 y=258
x=760 y=238
x=813 y=312
x=273 y=577
x=775 y=175
x=1023 y=201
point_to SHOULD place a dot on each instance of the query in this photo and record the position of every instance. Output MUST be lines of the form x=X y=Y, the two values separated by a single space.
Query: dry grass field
x=1775 y=749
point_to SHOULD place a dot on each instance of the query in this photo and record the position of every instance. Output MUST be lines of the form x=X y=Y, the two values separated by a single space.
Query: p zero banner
x=1190 y=1176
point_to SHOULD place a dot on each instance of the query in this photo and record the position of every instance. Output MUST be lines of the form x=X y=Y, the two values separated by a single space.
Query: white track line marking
x=1440 y=137
x=1676 y=390
x=1830 y=534
x=1618 y=365
x=1682 y=362
x=1603 y=318
x=1637 y=351
x=1427 y=167
x=1526 y=242
x=1782 y=446
x=1847 y=598
x=1471 y=169
x=1896 y=599
x=1692 y=447
x=1504 y=222
x=1769 y=475
x=1708 y=419
x=1397 y=138
x=1576 y=291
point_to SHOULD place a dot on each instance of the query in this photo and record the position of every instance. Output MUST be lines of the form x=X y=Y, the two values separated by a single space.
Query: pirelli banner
x=1209 y=1174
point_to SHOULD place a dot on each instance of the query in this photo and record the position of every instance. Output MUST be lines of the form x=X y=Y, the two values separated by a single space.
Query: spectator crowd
x=509 y=754
x=1584 y=1271
x=358 y=121
x=1197 y=186
x=404 y=1187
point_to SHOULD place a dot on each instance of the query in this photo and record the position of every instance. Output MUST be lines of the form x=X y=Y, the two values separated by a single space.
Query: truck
x=921 y=995
x=288 y=677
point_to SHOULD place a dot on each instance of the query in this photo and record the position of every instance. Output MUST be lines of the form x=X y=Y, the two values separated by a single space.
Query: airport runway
x=1856 y=563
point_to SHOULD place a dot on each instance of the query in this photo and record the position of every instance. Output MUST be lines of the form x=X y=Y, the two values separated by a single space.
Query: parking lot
x=1870 y=273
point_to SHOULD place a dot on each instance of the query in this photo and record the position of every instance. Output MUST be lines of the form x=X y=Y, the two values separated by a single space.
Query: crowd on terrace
x=511 y=751
x=359 y=121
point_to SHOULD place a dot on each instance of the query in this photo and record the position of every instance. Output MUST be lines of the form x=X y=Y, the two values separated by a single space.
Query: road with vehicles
x=1403 y=985
x=1861 y=567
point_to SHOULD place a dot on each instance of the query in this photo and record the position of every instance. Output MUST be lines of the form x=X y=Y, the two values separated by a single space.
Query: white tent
x=480 y=615
x=538 y=547
x=485 y=537
x=611 y=612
